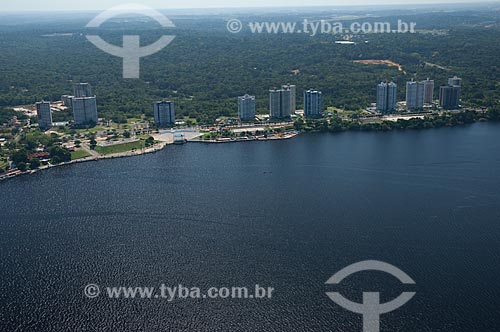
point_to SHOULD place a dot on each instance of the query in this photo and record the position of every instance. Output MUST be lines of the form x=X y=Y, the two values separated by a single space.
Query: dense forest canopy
x=206 y=67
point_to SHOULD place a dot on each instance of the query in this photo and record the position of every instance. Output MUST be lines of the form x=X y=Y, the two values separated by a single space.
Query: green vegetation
x=59 y=155
x=79 y=154
x=204 y=70
x=19 y=156
x=4 y=166
x=7 y=115
x=35 y=163
x=336 y=124
x=120 y=148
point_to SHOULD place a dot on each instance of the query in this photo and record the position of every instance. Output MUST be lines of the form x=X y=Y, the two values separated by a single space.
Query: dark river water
x=286 y=215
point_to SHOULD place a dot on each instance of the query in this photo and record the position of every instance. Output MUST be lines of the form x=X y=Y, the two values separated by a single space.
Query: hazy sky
x=53 y=5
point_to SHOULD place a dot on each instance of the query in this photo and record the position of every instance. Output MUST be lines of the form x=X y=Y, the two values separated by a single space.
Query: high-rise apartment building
x=84 y=104
x=312 y=103
x=455 y=81
x=387 y=97
x=415 y=93
x=83 y=90
x=449 y=96
x=164 y=113
x=85 y=110
x=44 y=115
x=293 y=96
x=67 y=100
x=246 y=108
x=280 y=103
x=428 y=91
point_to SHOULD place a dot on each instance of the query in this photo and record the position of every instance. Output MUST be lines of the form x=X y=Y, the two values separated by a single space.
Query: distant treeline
x=336 y=124
x=204 y=70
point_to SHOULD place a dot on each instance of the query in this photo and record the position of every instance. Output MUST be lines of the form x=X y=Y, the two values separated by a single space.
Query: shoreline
x=163 y=145
x=129 y=154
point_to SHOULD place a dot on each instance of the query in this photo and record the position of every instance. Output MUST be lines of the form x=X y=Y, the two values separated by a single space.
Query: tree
x=494 y=113
x=93 y=143
x=59 y=154
x=22 y=167
x=35 y=163
x=150 y=141
x=19 y=156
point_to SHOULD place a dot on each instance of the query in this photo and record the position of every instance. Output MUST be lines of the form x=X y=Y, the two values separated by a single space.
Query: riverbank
x=333 y=125
x=155 y=148
x=417 y=122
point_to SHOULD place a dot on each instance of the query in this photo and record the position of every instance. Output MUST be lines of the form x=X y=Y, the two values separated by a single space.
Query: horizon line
x=411 y=3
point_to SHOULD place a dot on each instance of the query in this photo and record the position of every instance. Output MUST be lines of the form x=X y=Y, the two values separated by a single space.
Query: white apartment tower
x=246 y=108
x=415 y=93
x=387 y=97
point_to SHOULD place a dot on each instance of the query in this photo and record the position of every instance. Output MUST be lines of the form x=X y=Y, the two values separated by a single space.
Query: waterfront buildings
x=415 y=93
x=84 y=105
x=312 y=103
x=449 y=96
x=428 y=91
x=44 y=115
x=386 y=97
x=293 y=96
x=280 y=103
x=80 y=90
x=84 y=110
x=246 y=108
x=164 y=113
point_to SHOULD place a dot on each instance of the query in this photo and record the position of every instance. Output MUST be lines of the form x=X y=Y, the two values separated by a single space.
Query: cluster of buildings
x=282 y=103
x=83 y=103
x=419 y=94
